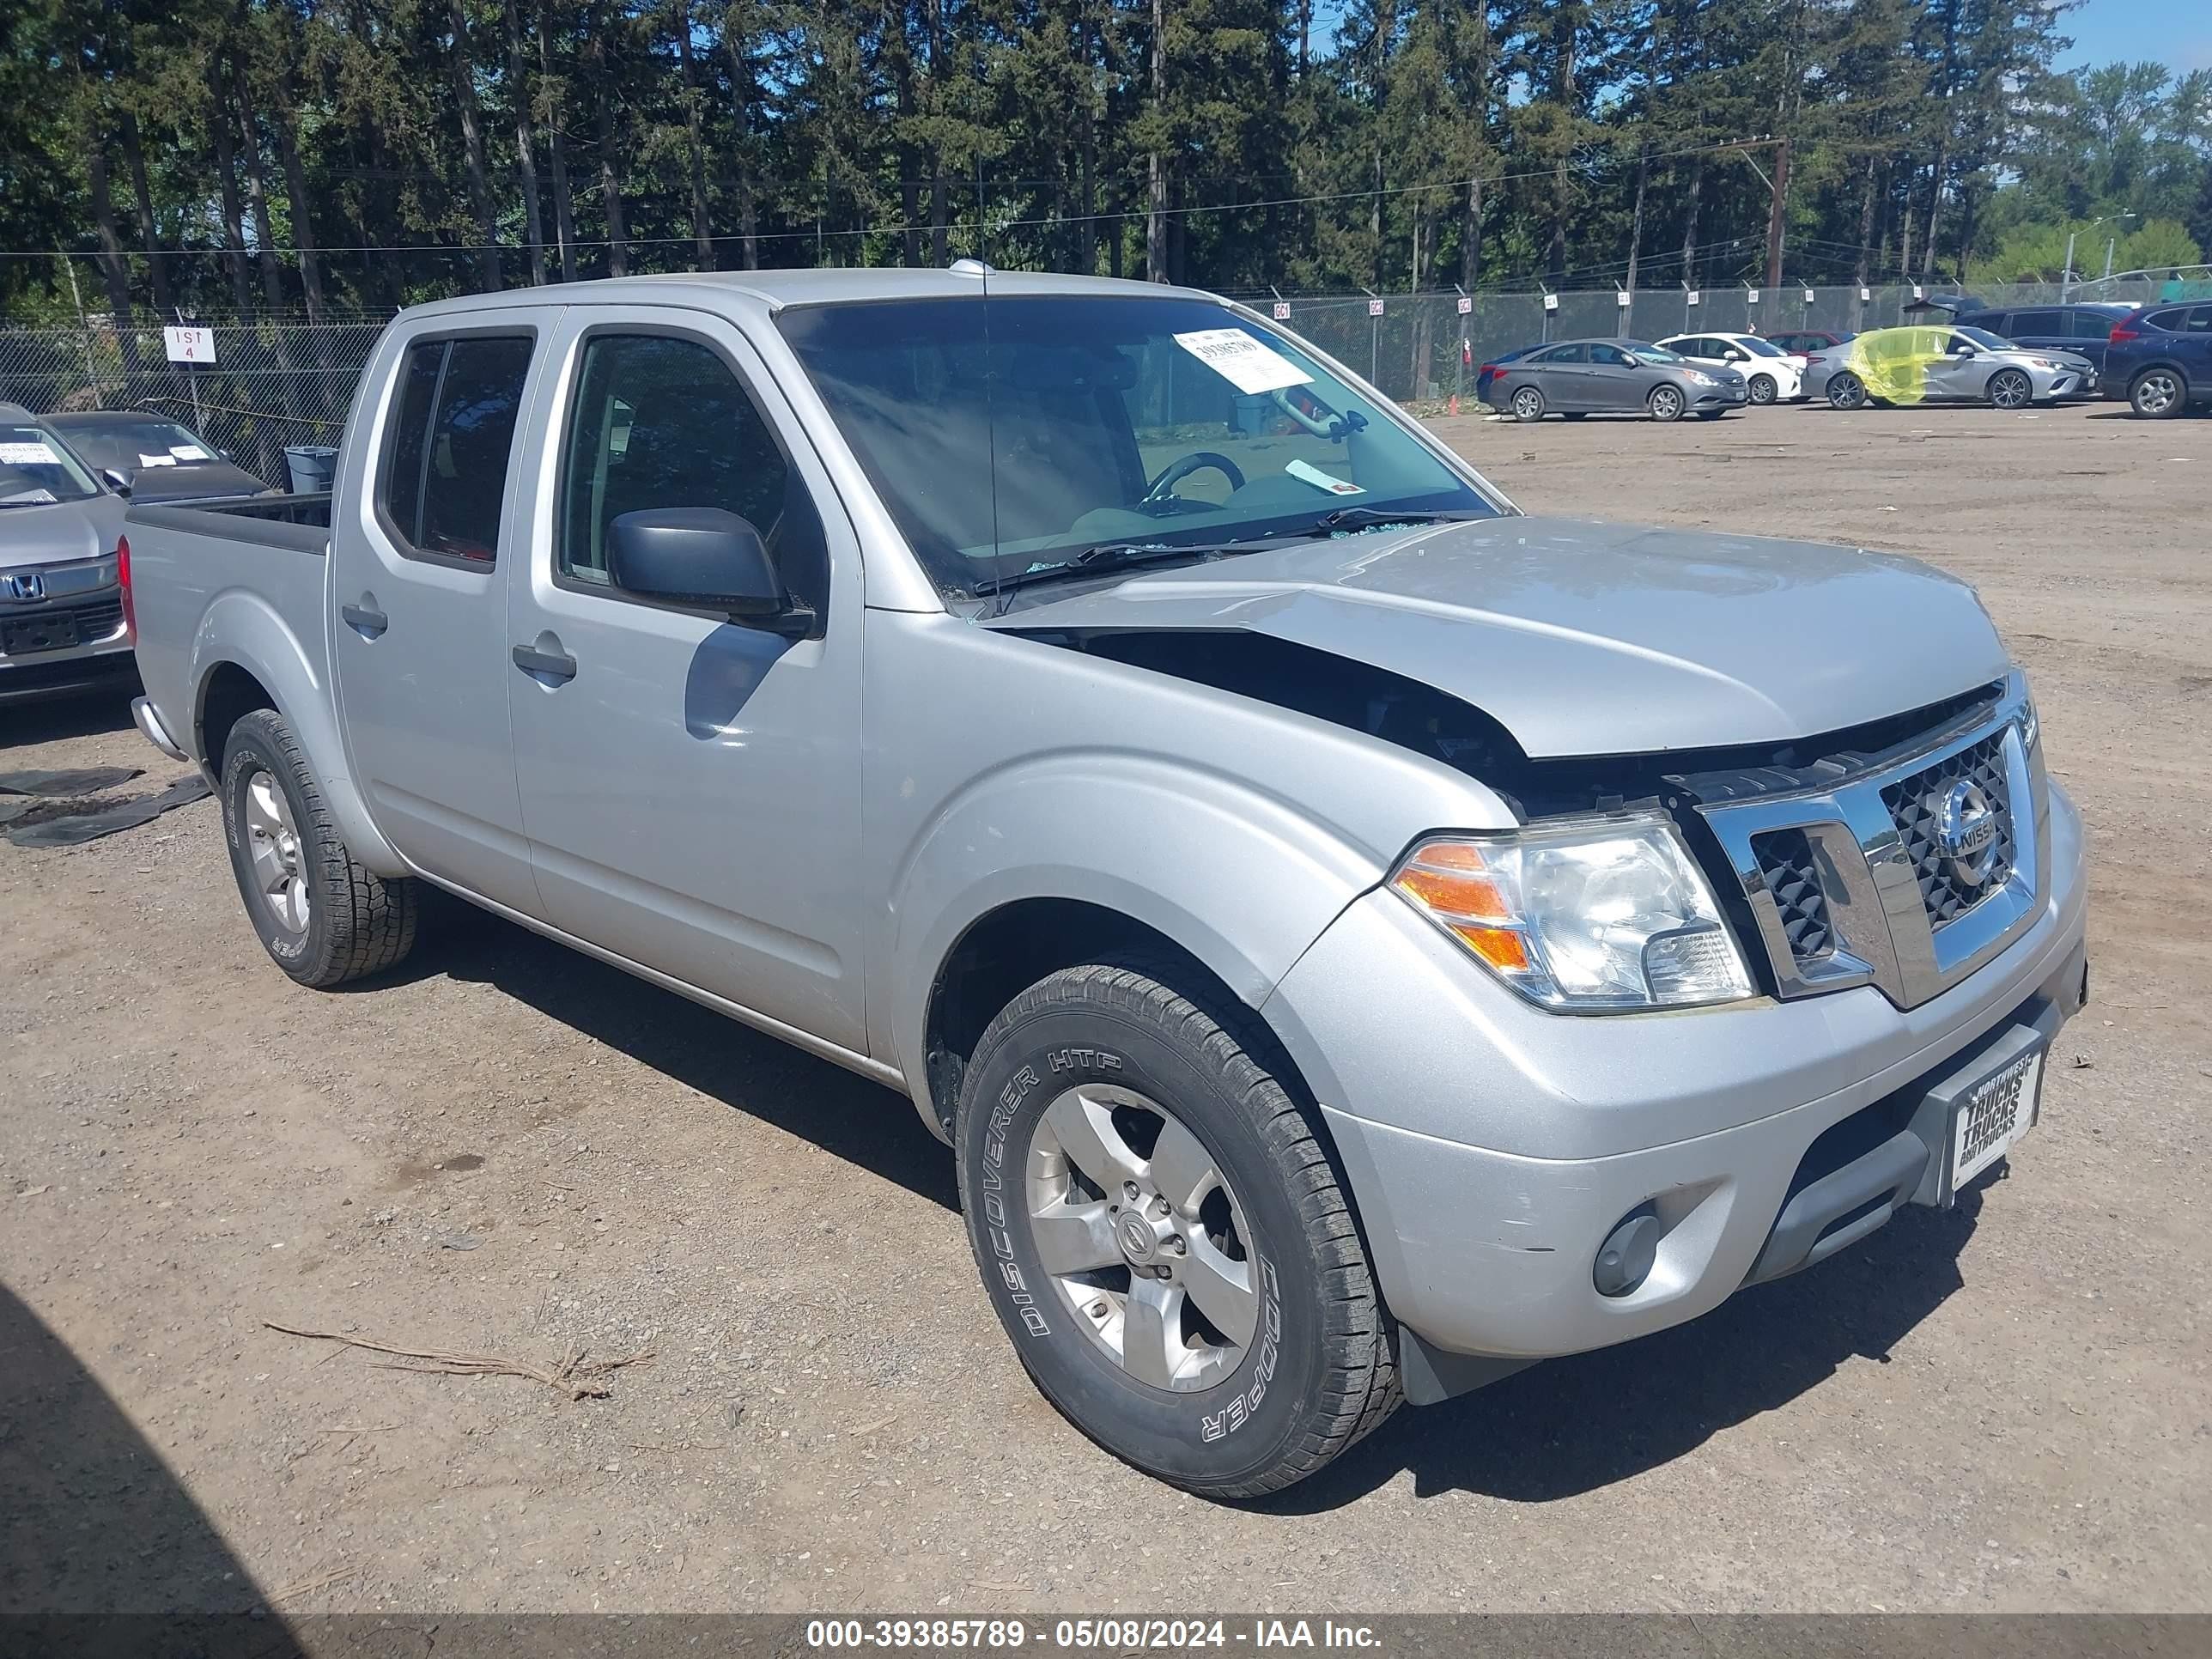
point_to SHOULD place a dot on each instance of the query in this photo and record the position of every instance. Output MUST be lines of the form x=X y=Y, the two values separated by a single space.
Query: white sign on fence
x=1551 y=302
x=1809 y=297
x=1751 y=295
x=1375 y=307
x=1620 y=298
x=1282 y=311
x=189 y=345
x=1916 y=293
x=1690 y=297
x=1865 y=294
x=1466 y=305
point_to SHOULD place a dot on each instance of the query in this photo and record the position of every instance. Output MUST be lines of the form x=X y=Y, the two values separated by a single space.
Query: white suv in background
x=1774 y=375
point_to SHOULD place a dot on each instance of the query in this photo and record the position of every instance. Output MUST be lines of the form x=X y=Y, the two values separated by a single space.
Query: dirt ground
x=510 y=1150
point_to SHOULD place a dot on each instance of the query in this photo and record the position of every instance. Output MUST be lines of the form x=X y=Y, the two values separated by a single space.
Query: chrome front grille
x=1916 y=807
x=1906 y=874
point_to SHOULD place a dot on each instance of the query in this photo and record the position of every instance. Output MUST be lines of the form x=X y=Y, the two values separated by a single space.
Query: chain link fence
x=277 y=382
x=272 y=383
x=1420 y=347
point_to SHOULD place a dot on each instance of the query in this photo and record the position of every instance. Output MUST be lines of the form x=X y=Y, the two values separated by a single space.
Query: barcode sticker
x=1242 y=360
x=190 y=453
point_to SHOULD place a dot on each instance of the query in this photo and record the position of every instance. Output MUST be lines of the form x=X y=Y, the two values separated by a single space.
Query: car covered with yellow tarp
x=1953 y=364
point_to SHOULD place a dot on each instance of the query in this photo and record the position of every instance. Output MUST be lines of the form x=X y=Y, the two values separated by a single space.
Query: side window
x=2171 y=321
x=1565 y=354
x=1610 y=356
x=449 y=442
x=661 y=422
x=2034 y=322
x=2199 y=320
x=2090 y=324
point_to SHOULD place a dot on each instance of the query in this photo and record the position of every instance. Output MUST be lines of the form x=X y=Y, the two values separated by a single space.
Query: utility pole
x=1779 y=191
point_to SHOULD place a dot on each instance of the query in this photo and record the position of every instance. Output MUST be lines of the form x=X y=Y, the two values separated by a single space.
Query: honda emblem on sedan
x=1967 y=830
x=28 y=586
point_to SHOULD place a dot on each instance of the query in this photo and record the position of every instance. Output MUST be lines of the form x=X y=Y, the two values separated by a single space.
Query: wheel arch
x=260 y=665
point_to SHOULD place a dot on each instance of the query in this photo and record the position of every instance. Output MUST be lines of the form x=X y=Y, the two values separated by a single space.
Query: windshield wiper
x=1108 y=557
x=1346 y=518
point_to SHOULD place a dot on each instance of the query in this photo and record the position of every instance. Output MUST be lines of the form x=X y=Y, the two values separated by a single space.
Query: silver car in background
x=1577 y=377
x=1951 y=365
x=62 y=623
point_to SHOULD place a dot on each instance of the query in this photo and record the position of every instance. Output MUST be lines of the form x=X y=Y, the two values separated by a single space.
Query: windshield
x=1651 y=354
x=128 y=443
x=1759 y=347
x=36 y=472
x=1008 y=437
x=1982 y=336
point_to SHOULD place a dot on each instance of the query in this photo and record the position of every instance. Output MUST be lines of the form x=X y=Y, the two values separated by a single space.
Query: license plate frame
x=1994 y=1113
x=26 y=636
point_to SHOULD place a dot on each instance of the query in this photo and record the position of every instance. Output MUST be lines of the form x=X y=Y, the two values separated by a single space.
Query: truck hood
x=58 y=534
x=1585 y=638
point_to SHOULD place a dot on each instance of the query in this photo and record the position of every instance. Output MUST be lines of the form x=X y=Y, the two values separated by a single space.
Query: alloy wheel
x=2010 y=390
x=2156 y=392
x=273 y=839
x=1142 y=1237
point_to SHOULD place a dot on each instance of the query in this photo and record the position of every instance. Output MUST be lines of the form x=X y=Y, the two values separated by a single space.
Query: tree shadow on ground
x=102 y=1549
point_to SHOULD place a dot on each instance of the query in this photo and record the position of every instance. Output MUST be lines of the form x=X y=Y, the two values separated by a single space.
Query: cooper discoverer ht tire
x=1164 y=1236
x=322 y=918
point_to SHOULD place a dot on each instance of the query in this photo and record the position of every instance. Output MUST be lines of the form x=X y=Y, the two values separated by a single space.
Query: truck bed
x=231 y=572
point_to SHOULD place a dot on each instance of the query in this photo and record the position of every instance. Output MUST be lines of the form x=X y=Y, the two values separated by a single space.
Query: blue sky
x=2175 y=33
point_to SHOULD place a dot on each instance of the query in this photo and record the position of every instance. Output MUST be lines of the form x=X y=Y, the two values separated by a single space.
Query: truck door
x=418 y=646
x=691 y=785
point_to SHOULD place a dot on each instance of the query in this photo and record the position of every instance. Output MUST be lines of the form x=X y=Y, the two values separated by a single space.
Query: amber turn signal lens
x=1500 y=947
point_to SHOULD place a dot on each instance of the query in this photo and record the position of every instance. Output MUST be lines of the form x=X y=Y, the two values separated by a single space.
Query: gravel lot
x=511 y=1150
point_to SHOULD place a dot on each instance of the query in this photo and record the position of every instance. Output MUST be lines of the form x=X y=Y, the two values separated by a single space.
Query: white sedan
x=1774 y=375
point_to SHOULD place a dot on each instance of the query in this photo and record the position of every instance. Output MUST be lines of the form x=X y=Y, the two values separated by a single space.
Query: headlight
x=1699 y=376
x=2041 y=363
x=1594 y=915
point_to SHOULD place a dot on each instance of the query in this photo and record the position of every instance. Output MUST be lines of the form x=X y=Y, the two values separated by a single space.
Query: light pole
x=2066 y=276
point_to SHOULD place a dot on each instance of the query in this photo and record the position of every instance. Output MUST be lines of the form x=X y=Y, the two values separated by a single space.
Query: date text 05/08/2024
x=1114 y=1635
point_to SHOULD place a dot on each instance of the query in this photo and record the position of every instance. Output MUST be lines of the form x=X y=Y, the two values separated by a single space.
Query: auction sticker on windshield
x=1244 y=362
x=1319 y=480
x=27 y=455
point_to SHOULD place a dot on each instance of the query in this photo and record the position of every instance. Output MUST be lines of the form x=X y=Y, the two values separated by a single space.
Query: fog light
x=1624 y=1260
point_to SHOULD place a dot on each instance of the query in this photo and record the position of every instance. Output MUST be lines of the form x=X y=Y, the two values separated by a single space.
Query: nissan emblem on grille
x=28 y=586
x=1967 y=830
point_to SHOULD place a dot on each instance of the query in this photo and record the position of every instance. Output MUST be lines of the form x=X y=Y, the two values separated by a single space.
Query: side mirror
x=116 y=479
x=704 y=556
x=1963 y=348
x=1734 y=356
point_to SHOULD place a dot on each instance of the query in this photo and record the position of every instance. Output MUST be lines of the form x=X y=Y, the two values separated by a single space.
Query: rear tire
x=1238 y=1343
x=1763 y=388
x=2158 y=394
x=1846 y=391
x=322 y=918
x=1666 y=402
x=1527 y=403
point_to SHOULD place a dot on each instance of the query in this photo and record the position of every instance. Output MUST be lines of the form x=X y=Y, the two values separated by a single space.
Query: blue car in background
x=2081 y=329
x=2159 y=358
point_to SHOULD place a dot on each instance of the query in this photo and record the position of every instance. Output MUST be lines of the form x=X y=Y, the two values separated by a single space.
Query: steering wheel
x=1196 y=461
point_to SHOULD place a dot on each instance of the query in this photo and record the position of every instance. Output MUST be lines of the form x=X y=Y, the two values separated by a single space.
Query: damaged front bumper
x=1497 y=1152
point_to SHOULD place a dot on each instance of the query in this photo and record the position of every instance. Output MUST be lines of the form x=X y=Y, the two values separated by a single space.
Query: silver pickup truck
x=1356 y=938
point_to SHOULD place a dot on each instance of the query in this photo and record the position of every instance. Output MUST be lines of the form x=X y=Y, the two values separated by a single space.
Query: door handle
x=547 y=665
x=365 y=620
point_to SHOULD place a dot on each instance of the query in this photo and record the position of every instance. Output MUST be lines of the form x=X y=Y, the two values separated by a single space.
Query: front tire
x=322 y=918
x=1164 y=1236
x=1666 y=402
x=1763 y=388
x=2009 y=388
x=2158 y=394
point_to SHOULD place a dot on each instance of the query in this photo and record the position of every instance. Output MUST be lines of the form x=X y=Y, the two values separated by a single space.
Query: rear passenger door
x=418 y=644
x=690 y=786
x=1562 y=376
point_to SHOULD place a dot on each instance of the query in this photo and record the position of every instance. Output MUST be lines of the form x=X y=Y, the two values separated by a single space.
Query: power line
x=984 y=224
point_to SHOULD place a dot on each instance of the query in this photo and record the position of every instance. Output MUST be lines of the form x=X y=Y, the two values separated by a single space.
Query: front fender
x=240 y=626
x=1240 y=878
